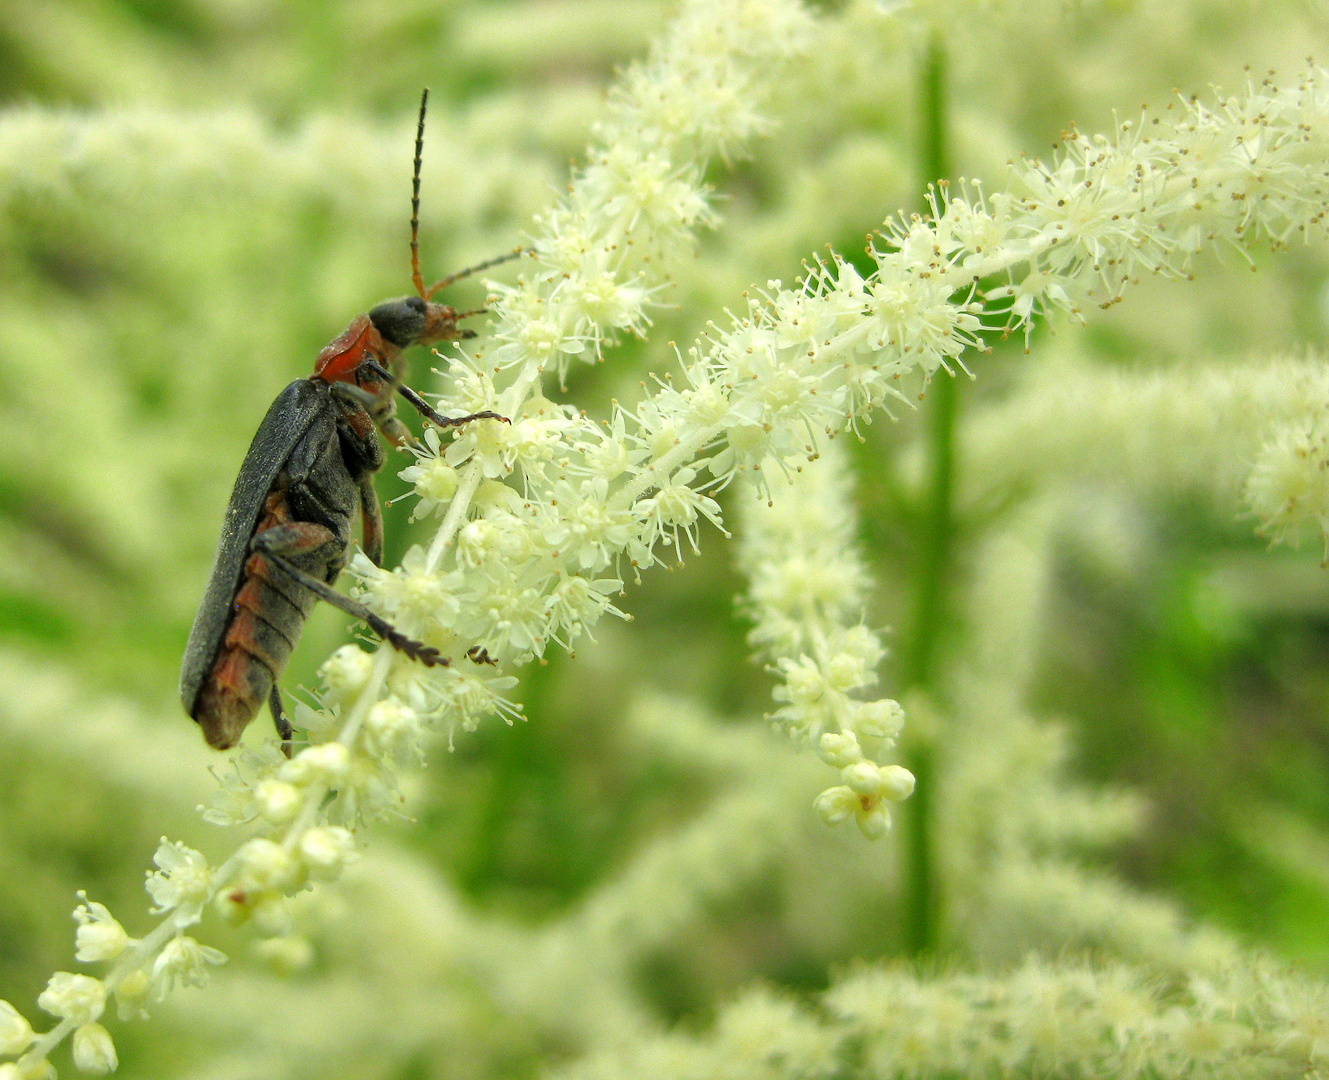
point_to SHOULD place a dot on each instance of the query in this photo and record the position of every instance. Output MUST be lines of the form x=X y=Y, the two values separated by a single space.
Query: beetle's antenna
x=416 y=277
x=505 y=257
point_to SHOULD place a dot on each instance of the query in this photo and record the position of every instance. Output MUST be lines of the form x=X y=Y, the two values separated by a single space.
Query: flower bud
x=131 y=995
x=99 y=936
x=840 y=749
x=272 y=915
x=233 y=906
x=93 y=1050
x=15 y=1031
x=390 y=726
x=875 y=821
x=264 y=866
x=278 y=801
x=73 y=997
x=28 y=1068
x=285 y=955
x=326 y=851
x=835 y=804
x=346 y=671
x=897 y=782
x=326 y=764
x=863 y=777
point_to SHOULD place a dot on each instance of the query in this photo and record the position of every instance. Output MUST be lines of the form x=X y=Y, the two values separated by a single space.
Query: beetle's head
x=413 y=321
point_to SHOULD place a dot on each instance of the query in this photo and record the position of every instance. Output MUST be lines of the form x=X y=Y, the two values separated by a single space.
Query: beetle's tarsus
x=415 y=650
x=284 y=730
x=448 y=421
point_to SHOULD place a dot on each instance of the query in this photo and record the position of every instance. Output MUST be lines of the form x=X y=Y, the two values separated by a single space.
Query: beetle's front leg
x=380 y=408
x=423 y=407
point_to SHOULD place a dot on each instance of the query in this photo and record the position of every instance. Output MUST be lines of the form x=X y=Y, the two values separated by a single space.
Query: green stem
x=936 y=527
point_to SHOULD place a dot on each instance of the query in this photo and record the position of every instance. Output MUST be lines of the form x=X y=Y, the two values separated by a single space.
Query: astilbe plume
x=1073 y=1020
x=806 y=597
x=631 y=205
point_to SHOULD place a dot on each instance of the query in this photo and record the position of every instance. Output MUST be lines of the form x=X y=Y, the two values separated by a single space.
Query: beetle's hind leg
x=371 y=520
x=416 y=650
x=284 y=730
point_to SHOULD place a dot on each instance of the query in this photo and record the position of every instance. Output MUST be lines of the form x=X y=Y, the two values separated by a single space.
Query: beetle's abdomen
x=253 y=654
x=266 y=617
x=303 y=528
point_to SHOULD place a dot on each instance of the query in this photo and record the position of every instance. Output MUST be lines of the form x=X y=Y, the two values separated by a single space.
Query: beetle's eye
x=401 y=322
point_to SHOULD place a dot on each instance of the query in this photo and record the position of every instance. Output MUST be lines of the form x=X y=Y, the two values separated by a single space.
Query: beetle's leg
x=371 y=520
x=284 y=729
x=359 y=412
x=419 y=402
x=381 y=409
x=416 y=650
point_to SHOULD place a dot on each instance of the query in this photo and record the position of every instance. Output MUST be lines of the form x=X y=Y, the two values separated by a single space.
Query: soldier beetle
x=310 y=468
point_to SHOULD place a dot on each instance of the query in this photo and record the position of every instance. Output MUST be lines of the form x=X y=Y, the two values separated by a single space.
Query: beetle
x=287 y=531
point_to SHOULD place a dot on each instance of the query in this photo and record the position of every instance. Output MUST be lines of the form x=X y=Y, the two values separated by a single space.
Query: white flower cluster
x=1258 y=429
x=1081 y=1020
x=1043 y=1018
x=287 y=853
x=509 y=572
x=142 y=971
x=1288 y=487
x=636 y=205
x=1104 y=211
x=806 y=594
x=289 y=807
x=514 y=567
